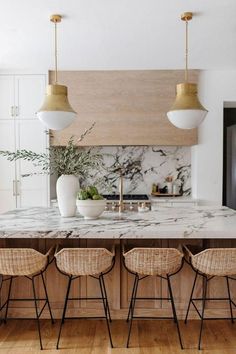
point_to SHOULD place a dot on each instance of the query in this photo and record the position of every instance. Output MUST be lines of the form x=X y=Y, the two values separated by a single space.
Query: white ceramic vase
x=67 y=189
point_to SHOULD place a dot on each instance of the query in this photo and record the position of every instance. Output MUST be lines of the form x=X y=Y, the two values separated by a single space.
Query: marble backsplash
x=144 y=165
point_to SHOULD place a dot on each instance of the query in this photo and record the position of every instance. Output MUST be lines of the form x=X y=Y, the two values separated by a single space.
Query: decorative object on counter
x=67 y=189
x=163 y=190
x=56 y=112
x=187 y=111
x=68 y=162
x=169 y=184
x=90 y=203
x=175 y=188
x=143 y=208
x=155 y=188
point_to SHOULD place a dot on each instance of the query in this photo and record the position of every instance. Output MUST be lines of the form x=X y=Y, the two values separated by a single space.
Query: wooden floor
x=90 y=337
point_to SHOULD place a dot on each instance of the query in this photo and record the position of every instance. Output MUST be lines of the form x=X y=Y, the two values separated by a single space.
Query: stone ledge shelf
x=164 y=223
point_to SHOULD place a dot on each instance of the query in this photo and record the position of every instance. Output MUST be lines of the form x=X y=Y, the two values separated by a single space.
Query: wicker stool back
x=215 y=261
x=84 y=261
x=21 y=261
x=153 y=261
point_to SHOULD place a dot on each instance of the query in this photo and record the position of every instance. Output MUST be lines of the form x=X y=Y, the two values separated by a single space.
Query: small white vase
x=67 y=189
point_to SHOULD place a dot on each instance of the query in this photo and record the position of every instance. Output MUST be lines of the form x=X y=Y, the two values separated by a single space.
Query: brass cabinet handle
x=17 y=110
x=14 y=188
x=12 y=111
x=17 y=187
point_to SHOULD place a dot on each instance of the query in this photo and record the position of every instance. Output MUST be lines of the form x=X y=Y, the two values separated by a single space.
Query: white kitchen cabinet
x=20 y=129
x=7 y=91
x=29 y=95
x=7 y=168
x=21 y=95
x=32 y=190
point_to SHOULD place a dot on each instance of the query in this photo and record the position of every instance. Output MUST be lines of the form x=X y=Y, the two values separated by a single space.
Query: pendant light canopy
x=187 y=111
x=56 y=112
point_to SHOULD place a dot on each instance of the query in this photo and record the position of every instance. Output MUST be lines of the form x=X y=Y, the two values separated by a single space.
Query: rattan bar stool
x=144 y=262
x=210 y=263
x=93 y=262
x=28 y=263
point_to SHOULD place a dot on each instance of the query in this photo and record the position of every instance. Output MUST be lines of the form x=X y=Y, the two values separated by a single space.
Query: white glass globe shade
x=186 y=118
x=56 y=120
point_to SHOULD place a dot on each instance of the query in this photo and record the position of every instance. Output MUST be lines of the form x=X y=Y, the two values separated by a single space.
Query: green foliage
x=83 y=195
x=90 y=192
x=67 y=160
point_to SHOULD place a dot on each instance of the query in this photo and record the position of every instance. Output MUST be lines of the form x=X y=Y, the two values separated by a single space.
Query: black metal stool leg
x=203 y=309
x=230 y=301
x=104 y=300
x=131 y=299
x=132 y=310
x=64 y=311
x=37 y=314
x=191 y=296
x=174 y=310
x=8 y=300
x=46 y=294
x=105 y=293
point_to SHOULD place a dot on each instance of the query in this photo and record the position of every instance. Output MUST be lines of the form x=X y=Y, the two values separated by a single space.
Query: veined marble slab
x=164 y=223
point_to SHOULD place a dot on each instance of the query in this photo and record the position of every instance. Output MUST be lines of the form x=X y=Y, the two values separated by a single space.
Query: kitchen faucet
x=121 y=187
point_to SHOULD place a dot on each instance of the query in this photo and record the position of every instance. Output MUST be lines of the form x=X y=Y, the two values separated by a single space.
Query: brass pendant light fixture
x=56 y=112
x=187 y=112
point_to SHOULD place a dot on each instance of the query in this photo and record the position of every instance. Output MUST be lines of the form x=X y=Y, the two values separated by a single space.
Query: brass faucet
x=121 y=202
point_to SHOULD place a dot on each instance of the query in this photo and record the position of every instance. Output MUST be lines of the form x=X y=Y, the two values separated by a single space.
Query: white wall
x=215 y=87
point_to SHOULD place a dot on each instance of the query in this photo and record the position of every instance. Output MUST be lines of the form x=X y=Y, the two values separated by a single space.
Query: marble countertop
x=164 y=223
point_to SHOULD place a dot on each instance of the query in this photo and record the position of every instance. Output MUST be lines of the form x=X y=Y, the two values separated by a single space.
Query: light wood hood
x=129 y=107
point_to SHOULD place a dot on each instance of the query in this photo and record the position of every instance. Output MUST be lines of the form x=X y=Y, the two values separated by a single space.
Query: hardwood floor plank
x=90 y=337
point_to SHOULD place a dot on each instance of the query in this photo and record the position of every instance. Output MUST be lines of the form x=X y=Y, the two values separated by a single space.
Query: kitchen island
x=41 y=228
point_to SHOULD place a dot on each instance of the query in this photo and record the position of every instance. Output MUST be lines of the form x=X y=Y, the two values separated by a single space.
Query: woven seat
x=84 y=261
x=93 y=262
x=153 y=261
x=213 y=261
x=143 y=262
x=21 y=261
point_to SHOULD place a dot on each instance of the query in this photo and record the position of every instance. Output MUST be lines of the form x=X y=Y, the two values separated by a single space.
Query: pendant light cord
x=186 y=50
x=55 y=40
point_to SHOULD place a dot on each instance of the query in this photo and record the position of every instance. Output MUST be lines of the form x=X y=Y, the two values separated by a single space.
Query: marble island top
x=164 y=223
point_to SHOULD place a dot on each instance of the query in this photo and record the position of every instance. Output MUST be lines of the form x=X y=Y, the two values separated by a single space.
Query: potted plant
x=90 y=203
x=68 y=162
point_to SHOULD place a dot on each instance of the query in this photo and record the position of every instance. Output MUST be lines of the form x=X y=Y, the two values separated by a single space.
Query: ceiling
x=117 y=34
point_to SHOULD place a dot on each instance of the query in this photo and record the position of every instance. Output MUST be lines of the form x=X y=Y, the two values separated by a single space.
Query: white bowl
x=91 y=209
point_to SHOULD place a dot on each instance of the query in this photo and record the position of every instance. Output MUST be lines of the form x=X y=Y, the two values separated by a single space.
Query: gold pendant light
x=187 y=112
x=56 y=112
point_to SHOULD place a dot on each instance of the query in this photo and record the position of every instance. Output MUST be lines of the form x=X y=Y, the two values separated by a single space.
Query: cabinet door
x=30 y=91
x=7 y=96
x=33 y=190
x=7 y=168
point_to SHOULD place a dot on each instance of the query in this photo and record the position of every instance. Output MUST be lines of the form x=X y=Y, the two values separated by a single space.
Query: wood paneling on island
x=129 y=107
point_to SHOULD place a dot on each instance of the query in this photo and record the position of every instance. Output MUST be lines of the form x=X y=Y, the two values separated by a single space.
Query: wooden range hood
x=129 y=107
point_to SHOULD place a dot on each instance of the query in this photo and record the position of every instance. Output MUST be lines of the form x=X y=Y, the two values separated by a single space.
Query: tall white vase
x=67 y=189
